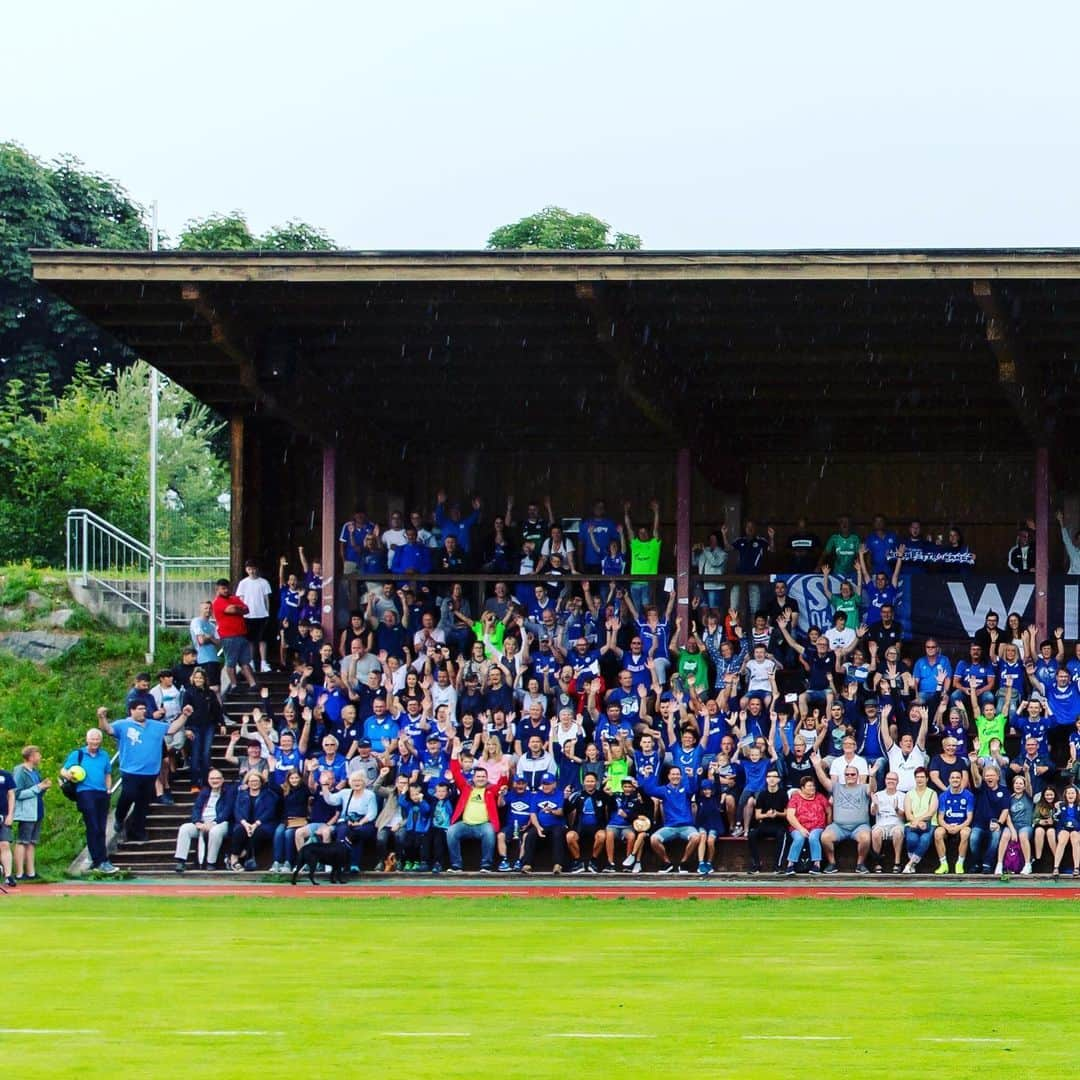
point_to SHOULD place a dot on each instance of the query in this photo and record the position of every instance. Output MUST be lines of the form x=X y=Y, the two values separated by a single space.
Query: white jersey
x=905 y=767
x=758 y=675
x=255 y=592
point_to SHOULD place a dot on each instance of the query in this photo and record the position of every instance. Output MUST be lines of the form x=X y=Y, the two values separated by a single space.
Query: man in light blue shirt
x=92 y=795
x=141 y=742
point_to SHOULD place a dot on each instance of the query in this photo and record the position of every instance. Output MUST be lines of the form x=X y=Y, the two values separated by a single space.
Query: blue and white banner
x=808 y=591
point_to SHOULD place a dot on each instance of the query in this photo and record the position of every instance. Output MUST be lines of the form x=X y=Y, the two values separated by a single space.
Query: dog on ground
x=336 y=855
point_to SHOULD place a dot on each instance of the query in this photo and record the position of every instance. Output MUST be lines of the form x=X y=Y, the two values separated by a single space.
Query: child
x=436 y=850
x=710 y=822
x=29 y=811
x=722 y=773
x=614 y=563
x=415 y=829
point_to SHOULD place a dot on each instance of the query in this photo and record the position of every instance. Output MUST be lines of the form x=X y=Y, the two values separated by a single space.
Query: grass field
x=233 y=986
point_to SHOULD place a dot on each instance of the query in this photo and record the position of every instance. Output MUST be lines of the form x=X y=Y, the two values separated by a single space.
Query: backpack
x=68 y=788
x=1013 y=861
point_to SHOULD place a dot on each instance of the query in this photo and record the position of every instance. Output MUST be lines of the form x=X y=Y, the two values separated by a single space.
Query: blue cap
x=547 y=778
x=667 y=695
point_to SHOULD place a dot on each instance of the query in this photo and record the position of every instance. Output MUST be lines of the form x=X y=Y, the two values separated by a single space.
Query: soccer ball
x=77 y=774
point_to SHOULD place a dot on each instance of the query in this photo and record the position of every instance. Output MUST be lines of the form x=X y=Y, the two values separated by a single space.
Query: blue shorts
x=840 y=833
x=675 y=832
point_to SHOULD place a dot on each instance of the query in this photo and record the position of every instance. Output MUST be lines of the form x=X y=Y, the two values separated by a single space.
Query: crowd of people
x=583 y=724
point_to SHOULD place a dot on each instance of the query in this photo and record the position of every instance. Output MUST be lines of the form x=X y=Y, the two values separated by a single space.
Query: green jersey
x=844 y=550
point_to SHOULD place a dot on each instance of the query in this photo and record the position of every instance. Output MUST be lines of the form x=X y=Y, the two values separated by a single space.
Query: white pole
x=152 y=605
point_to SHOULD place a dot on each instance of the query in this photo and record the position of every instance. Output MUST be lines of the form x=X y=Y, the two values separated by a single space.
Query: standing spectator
x=254 y=591
x=802 y=549
x=7 y=820
x=644 y=552
x=1072 y=546
x=841 y=550
x=229 y=612
x=880 y=549
x=750 y=551
x=141 y=743
x=1021 y=557
x=204 y=637
x=92 y=796
x=211 y=815
x=204 y=719
x=595 y=535
x=888 y=809
x=29 y=811
x=712 y=559
x=351 y=547
x=452 y=524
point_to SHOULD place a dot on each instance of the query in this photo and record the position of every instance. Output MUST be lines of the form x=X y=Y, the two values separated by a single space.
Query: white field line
x=595 y=1035
x=963 y=1039
x=427 y=1034
x=797 y=1038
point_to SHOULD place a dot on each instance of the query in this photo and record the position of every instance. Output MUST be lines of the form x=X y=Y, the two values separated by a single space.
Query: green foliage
x=51 y=706
x=54 y=206
x=90 y=447
x=17 y=582
x=296 y=236
x=556 y=228
x=230 y=232
x=218 y=232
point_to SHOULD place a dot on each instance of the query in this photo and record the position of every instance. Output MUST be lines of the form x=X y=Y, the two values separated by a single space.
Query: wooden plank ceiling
x=767 y=363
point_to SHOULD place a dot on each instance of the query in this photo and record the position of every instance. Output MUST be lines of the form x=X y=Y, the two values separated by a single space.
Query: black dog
x=335 y=855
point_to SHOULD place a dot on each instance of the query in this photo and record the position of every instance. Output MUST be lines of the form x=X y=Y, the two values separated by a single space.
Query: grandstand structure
x=775 y=385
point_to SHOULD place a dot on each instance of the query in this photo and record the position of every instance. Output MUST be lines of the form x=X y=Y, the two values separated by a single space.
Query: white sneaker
x=737 y=831
x=628 y=862
x=275 y=869
x=636 y=869
x=999 y=870
x=909 y=868
x=286 y=868
x=1026 y=872
x=264 y=668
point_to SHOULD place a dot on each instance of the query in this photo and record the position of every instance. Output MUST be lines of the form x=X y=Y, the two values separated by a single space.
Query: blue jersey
x=1067 y=818
x=967 y=669
x=519 y=805
x=629 y=705
x=589 y=661
x=613 y=566
x=879 y=548
x=97 y=767
x=1014 y=672
x=690 y=763
x=638 y=668
x=337 y=765
x=676 y=802
x=659 y=633
x=287 y=760
x=1046 y=670
x=875 y=599
x=140 y=746
x=754 y=773
x=647 y=765
x=1064 y=704
x=954 y=806
x=750 y=551
x=606 y=732
x=546 y=805
x=1035 y=729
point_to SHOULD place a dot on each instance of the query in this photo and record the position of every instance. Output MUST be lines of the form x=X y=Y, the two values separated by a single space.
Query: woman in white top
x=888 y=809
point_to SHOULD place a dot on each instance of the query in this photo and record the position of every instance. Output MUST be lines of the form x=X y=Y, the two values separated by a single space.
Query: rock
x=60 y=617
x=11 y=614
x=41 y=646
x=35 y=601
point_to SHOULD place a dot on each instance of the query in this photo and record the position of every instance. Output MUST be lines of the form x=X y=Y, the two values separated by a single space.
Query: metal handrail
x=121 y=565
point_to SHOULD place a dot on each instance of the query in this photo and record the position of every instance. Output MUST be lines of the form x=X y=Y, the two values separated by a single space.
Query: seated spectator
x=675 y=799
x=1044 y=836
x=211 y=816
x=956 y=810
x=991 y=811
x=1019 y=825
x=587 y=813
x=295 y=799
x=254 y=818
x=357 y=811
x=1067 y=824
x=920 y=810
x=807 y=817
x=850 y=813
x=547 y=823
x=770 y=820
x=476 y=815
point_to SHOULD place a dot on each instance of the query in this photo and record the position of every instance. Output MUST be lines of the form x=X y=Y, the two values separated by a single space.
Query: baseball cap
x=364 y=744
x=667 y=695
x=519 y=779
x=547 y=778
x=629 y=780
x=706 y=785
x=433 y=738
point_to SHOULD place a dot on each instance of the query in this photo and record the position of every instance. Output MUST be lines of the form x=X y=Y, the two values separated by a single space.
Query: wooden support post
x=329 y=557
x=1042 y=538
x=236 y=498
x=682 y=540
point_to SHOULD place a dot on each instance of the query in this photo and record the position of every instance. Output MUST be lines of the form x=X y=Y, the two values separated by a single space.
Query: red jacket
x=491 y=794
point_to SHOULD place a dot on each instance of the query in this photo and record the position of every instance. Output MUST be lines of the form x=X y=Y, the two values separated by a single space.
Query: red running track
x=658 y=892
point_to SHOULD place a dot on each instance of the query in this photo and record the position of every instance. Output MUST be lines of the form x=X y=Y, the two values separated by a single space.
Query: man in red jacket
x=476 y=816
x=229 y=611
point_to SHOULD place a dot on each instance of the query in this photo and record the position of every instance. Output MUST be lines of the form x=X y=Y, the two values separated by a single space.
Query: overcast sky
x=697 y=125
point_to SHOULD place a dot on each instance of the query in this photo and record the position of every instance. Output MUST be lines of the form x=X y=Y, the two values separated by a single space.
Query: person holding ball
x=90 y=770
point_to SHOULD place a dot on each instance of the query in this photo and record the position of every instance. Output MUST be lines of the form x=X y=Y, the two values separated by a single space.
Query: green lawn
x=515 y=988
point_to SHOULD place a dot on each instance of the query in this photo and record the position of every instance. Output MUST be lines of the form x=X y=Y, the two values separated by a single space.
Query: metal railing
x=100 y=554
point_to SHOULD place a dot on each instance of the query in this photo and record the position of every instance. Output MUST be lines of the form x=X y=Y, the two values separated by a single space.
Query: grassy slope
x=52 y=705
x=702 y=980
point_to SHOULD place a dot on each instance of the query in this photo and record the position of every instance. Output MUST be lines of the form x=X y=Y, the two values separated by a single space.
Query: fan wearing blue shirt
x=974 y=674
x=956 y=811
x=878 y=592
x=676 y=804
x=879 y=543
x=451 y=523
x=141 y=743
x=595 y=534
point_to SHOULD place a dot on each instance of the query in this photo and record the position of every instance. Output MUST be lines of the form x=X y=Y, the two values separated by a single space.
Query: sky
x=696 y=125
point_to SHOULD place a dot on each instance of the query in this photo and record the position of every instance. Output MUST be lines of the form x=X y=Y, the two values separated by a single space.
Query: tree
x=556 y=228
x=230 y=232
x=54 y=206
x=90 y=447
